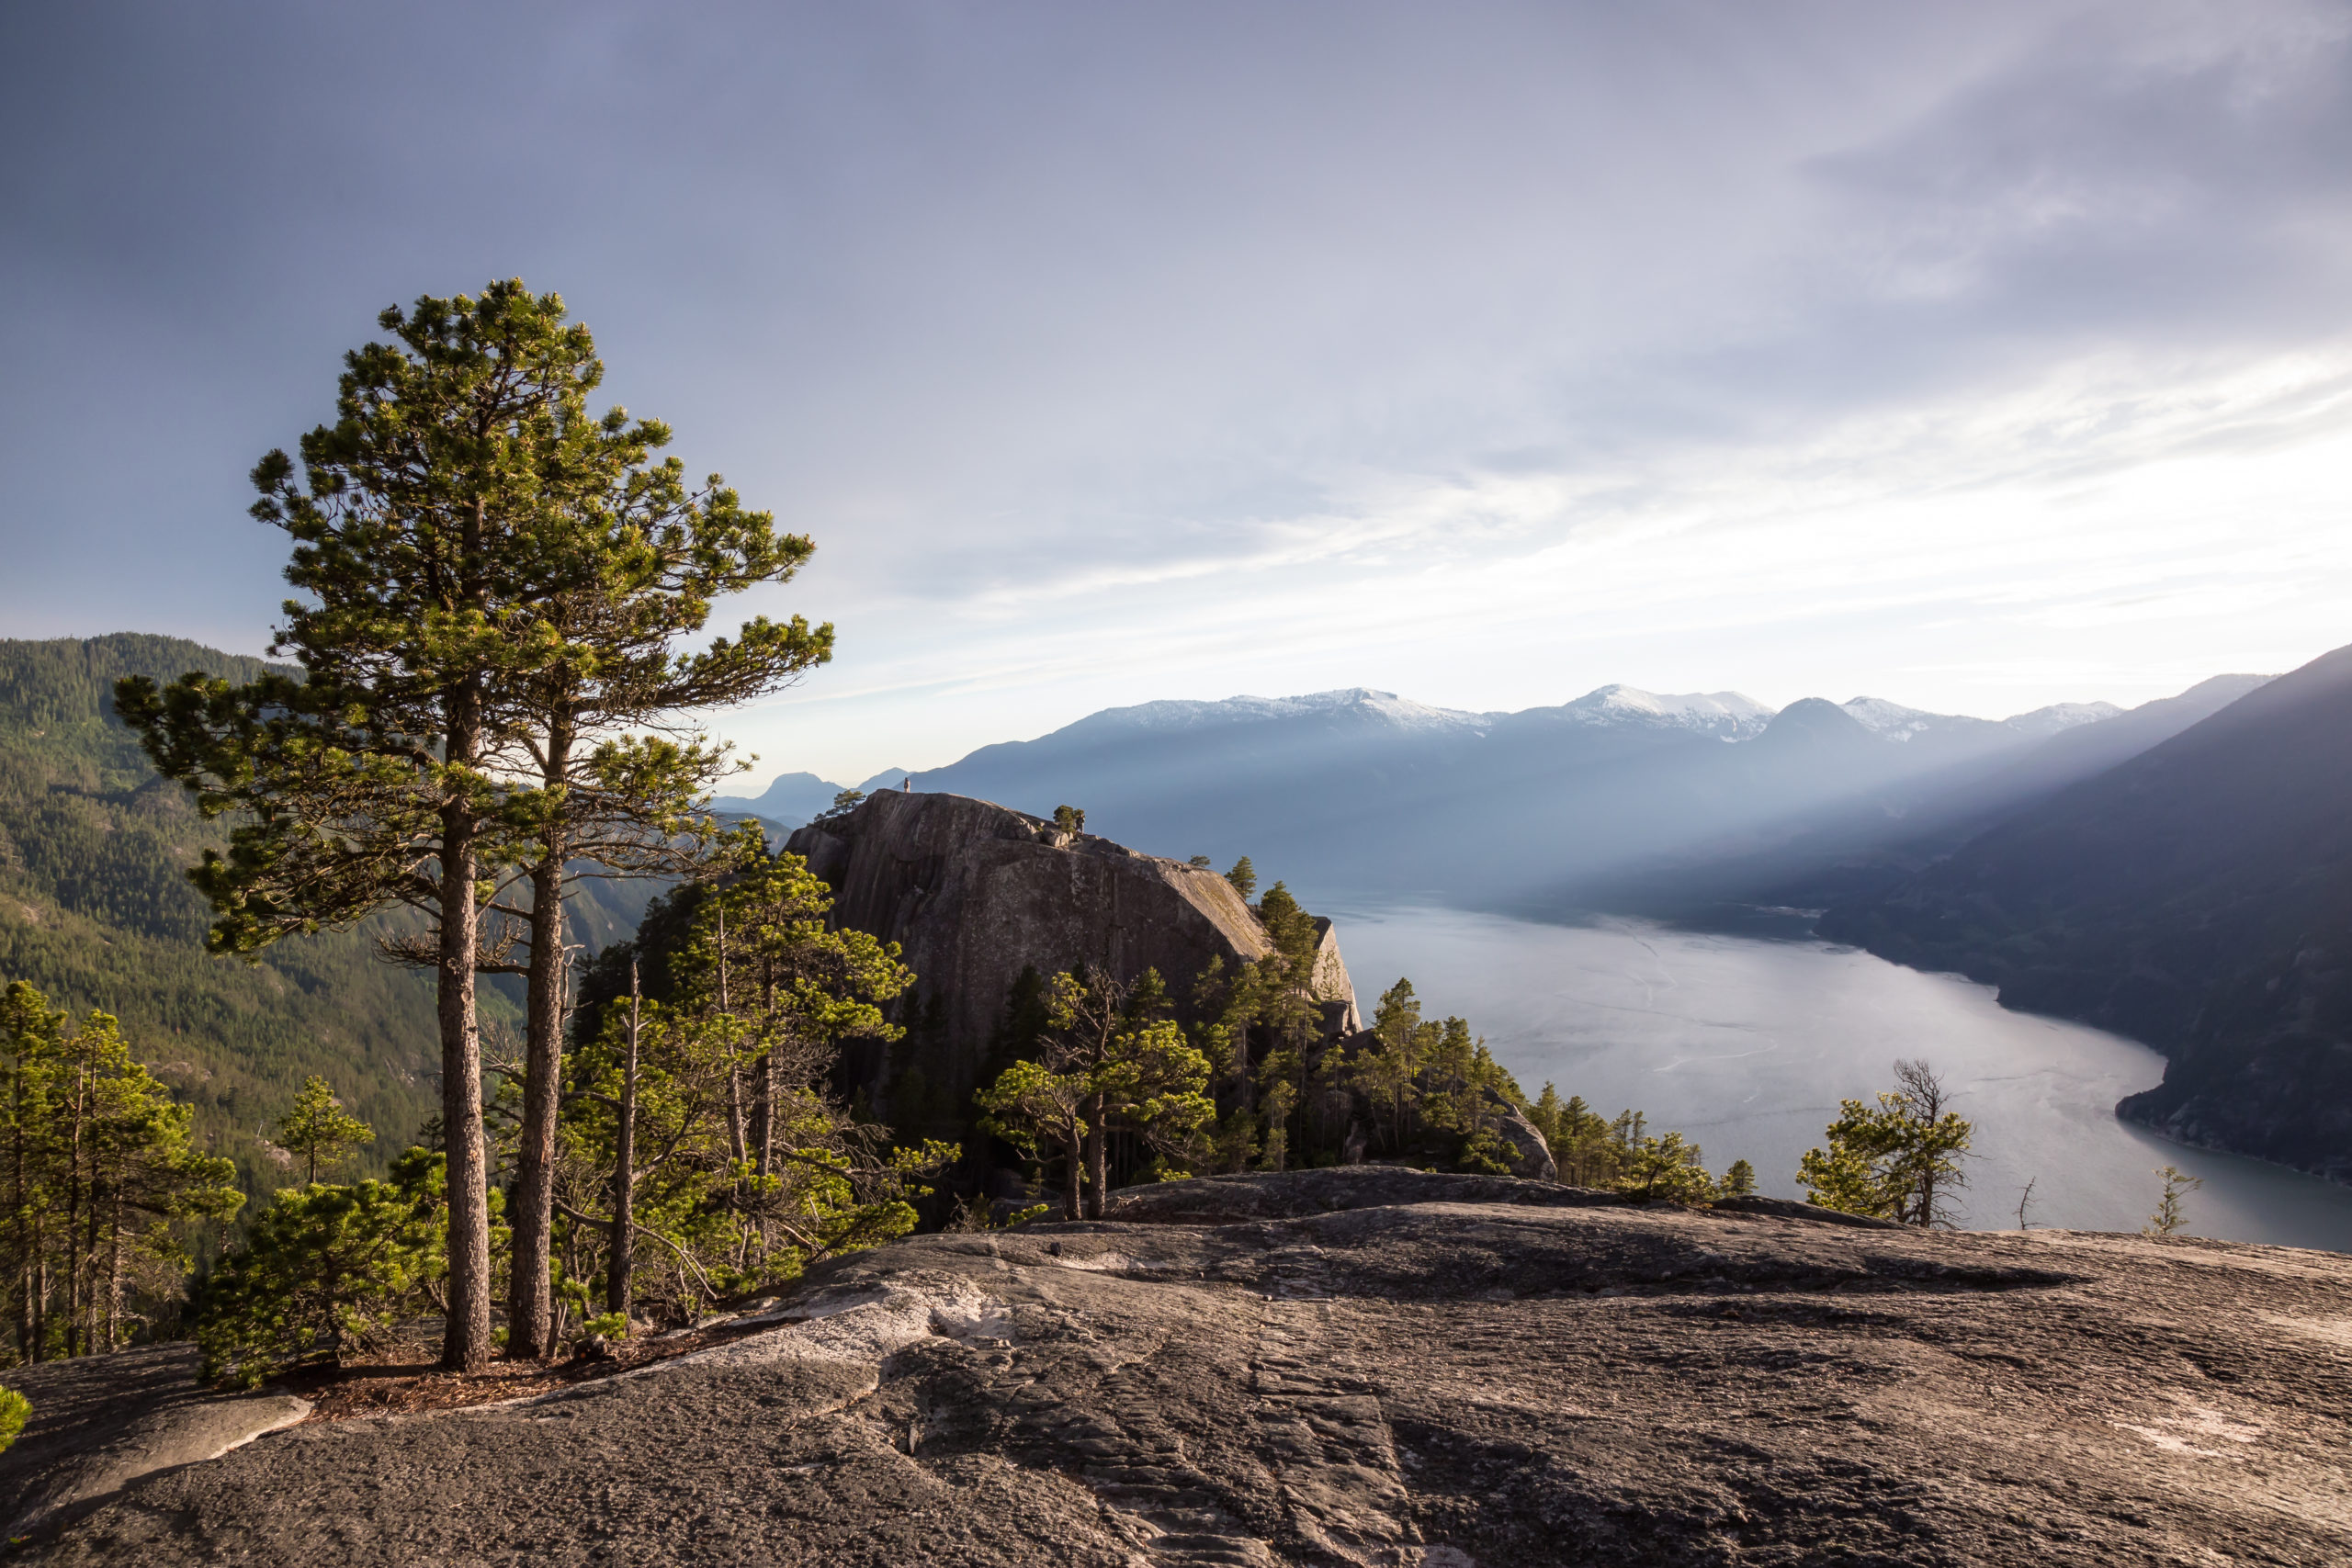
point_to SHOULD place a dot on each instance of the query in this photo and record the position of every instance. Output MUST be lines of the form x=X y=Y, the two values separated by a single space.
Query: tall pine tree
x=434 y=524
x=650 y=553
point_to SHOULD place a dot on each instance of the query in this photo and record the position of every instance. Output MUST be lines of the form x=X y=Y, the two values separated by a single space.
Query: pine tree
x=651 y=554
x=318 y=1131
x=431 y=527
x=495 y=577
x=1898 y=1160
x=326 y=1265
x=1244 y=877
x=1109 y=1060
x=2168 y=1217
x=1667 y=1167
x=1389 y=1074
x=1037 y=1110
x=700 y=1155
x=1283 y=984
x=99 y=1169
x=1739 y=1181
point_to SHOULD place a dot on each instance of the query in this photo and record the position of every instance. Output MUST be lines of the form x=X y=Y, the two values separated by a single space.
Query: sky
x=1973 y=356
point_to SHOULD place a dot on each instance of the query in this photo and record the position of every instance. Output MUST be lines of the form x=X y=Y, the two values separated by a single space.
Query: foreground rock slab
x=102 y=1423
x=1382 y=1368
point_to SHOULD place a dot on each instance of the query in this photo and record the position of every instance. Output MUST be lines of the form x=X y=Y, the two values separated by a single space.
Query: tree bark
x=465 y=1343
x=1073 y=1162
x=114 y=1276
x=74 y=1224
x=735 y=1134
x=623 y=1263
x=27 y=1248
x=1096 y=1163
x=530 y=1303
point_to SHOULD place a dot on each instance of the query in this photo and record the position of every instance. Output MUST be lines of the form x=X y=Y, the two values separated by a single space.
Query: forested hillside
x=2198 y=896
x=94 y=911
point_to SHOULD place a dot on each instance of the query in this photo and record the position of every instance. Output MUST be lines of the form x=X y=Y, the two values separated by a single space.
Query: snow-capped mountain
x=1361 y=704
x=1893 y=721
x=1726 y=713
x=1366 y=791
x=2060 y=716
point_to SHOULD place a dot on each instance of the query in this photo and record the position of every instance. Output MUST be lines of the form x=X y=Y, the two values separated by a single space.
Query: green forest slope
x=94 y=911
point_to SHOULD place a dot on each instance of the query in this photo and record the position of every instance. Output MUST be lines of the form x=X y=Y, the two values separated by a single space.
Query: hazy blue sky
x=1975 y=356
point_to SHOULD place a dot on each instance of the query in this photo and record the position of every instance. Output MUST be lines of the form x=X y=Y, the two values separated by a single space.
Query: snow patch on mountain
x=2061 y=716
x=1893 y=721
x=1359 y=704
x=1717 y=713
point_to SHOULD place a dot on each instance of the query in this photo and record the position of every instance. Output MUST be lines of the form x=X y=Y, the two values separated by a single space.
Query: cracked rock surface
x=1379 y=1367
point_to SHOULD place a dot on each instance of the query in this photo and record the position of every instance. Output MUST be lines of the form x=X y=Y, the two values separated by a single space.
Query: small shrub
x=1667 y=1168
x=605 y=1325
x=15 y=1411
x=328 y=1269
x=2169 y=1216
x=1485 y=1152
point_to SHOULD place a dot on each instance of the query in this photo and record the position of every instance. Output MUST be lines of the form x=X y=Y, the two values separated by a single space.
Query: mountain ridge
x=792 y=798
x=1359 y=791
x=2197 y=896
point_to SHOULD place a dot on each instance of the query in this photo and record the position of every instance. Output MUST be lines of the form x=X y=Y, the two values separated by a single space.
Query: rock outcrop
x=102 y=1423
x=974 y=892
x=1380 y=1366
x=1531 y=1155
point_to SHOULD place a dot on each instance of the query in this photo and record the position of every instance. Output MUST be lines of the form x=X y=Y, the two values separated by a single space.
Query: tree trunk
x=529 y=1298
x=623 y=1263
x=736 y=1141
x=764 y=1101
x=27 y=1248
x=74 y=1225
x=1073 y=1162
x=114 y=1276
x=90 y=1252
x=465 y=1343
x=1096 y=1172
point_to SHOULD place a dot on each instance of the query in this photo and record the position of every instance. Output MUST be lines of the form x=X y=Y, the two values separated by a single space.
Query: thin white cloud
x=1483 y=353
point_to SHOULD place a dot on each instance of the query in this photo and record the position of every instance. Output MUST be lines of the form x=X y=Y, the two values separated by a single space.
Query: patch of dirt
x=405 y=1379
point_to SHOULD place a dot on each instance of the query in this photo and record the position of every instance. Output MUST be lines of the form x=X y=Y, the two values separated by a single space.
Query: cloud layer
x=1974 y=356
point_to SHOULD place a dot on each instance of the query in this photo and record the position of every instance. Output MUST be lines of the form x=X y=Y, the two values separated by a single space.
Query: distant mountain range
x=1360 y=792
x=2180 y=873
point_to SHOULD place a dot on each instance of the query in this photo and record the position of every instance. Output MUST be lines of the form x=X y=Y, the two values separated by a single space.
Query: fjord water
x=1746 y=1046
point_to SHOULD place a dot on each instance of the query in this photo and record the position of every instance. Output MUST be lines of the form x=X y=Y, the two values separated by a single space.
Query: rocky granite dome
x=1356 y=1367
x=976 y=892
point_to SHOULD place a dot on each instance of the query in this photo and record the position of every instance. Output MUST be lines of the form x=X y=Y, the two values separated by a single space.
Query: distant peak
x=1890 y=719
x=1356 y=702
x=1896 y=722
x=2061 y=716
x=1717 y=711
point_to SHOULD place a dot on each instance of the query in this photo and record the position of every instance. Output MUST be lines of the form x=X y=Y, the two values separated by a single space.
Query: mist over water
x=1748 y=1046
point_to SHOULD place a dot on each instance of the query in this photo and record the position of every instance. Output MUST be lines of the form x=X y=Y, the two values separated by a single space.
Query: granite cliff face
x=974 y=891
x=1369 y=1366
